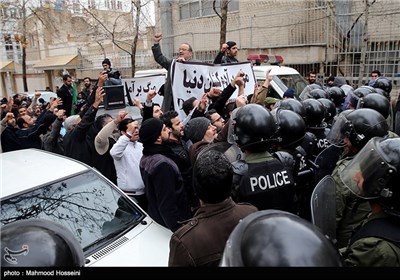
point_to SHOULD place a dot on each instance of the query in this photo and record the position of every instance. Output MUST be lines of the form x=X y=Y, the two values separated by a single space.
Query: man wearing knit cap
x=201 y=132
x=289 y=93
x=114 y=76
x=228 y=53
x=167 y=201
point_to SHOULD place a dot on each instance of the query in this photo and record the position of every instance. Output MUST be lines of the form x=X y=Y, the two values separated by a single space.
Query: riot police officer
x=316 y=124
x=337 y=95
x=376 y=172
x=273 y=238
x=39 y=243
x=290 y=127
x=260 y=179
x=351 y=131
x=289 y=135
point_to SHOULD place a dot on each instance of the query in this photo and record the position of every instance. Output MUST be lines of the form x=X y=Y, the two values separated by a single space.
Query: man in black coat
x=65 y=93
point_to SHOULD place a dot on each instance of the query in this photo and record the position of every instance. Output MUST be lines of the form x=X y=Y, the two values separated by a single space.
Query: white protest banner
x=139 y=87
x=194 y=79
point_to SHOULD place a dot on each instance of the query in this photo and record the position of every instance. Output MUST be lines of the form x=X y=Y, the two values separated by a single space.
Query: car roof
x=25 y=169
x=275 y=69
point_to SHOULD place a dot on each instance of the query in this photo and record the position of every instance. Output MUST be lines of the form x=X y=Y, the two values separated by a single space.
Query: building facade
x=66 y=36
x=342 y=38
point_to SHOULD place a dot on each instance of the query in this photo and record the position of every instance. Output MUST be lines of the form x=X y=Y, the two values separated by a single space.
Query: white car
x=112 y=229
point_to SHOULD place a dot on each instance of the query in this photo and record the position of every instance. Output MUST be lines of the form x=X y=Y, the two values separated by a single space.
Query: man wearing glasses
x=216 y=119
x=185 y=53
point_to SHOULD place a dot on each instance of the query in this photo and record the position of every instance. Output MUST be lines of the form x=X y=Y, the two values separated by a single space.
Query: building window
x=13 y=13
x=203 y=8
x=77 y=8
x=9 y=47
x=92 y=4
x=119 y=5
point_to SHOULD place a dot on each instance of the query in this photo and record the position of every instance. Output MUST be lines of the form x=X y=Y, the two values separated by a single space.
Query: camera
x=107 y=71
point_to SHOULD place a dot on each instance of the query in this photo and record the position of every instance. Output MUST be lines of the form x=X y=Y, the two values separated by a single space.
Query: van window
x=282 y=79
x=296 y=82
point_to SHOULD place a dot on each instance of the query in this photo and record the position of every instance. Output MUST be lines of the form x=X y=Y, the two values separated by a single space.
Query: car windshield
x=86 y=204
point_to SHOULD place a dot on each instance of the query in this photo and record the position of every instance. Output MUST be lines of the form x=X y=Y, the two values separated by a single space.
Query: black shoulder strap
x=240 y=168
x=384 y=228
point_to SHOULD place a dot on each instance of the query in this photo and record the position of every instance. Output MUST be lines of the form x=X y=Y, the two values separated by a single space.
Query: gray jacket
x=166 y=63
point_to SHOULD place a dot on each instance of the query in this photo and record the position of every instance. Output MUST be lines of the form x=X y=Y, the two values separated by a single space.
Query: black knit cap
x=196 y=128
x=150 y=130
x=231 y=44
x=106 y=61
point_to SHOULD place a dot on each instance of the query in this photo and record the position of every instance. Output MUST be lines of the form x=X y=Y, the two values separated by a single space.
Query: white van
x=282 y=78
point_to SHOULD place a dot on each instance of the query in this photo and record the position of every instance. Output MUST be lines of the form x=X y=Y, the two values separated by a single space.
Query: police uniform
x=375 y=251
x=265 y=182
x=350 y=212
x=321 y=142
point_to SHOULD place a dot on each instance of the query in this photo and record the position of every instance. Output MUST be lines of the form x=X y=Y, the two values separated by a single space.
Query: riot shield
x=323 y=207
x=326 y=161
x=231 y=151
x=397 y=122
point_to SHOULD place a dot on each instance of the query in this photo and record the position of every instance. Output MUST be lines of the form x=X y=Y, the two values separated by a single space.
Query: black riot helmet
x=383 y=83
x=376 y=169
x=291 y=128
x=293 y=105
x=377 y=102
x=315 y=113
x=337 y=95
x=360 y=93
x=253 y=127
x=314 y=86
x=330 y=109
x=275 y=238
x=359 y=126
x=318 y=93
x=39 y=243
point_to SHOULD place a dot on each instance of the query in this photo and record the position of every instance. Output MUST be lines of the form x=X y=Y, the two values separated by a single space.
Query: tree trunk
x=137 y=4
x=224 y=16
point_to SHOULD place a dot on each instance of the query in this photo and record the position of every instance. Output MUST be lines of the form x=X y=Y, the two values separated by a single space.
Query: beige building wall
x=258 y=27
x=308 y=34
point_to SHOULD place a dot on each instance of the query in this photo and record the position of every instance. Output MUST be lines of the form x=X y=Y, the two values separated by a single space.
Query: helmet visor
x=368 y=173
x=231 y=138
x=340 y=129
x=360 y=103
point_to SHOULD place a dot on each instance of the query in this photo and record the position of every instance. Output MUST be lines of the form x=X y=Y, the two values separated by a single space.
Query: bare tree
x=28 y=12
x=223 y=16
x=121 y=39
x=136 y=4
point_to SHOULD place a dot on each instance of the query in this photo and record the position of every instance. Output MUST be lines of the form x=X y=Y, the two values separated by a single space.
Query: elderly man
x=185 y=54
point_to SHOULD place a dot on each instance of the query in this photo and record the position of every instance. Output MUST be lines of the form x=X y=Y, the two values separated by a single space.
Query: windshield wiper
x=111 y=236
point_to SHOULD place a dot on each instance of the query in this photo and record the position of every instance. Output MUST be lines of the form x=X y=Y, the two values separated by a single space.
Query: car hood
x=149 y=247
